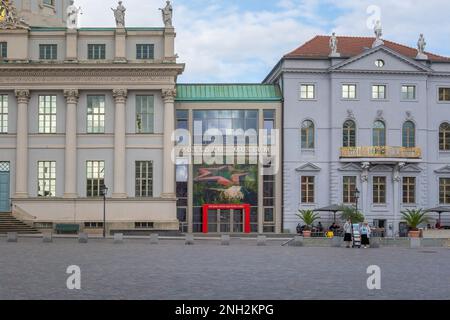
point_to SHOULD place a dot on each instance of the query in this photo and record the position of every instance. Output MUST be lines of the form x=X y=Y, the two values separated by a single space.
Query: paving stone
x=225 y=240
x=261 y=241
x=118 y=238
x=189 y=241
x=297 y=242
x=47 y=237
x=11 y=237
x=154 y=238
x=83 y=238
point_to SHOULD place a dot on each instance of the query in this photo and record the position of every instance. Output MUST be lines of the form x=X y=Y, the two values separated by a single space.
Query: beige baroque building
x=82 y=108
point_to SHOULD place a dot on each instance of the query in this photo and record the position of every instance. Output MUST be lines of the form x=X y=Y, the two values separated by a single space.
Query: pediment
x=351 y=167
x=445 y=169
x=309 y=167
x=394 y=62
x=411 y=168
x=381 y=168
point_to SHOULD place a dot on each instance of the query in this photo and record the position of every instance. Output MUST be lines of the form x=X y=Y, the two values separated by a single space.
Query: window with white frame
x=349 y=189
x=408 y=92
x=378 y=92
x=307 y=186
x=145 y=51
x=46 y=178
x=96 y=51
x=96 y=114
x=379 y=190
x=3 y=113
x=307 y=91
x=349 y=91
x=47 y=114
x=48 y=52
x=95 y=178
x=145 y=114
x=144 y=179
x=3 y=50
x=409 y=190
x=444 y=190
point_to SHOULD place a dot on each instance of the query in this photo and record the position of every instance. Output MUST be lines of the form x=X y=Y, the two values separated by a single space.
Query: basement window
x=143 y=225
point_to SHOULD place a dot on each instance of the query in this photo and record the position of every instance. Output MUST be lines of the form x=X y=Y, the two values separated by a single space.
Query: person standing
x=348 y=232
x=365 y=235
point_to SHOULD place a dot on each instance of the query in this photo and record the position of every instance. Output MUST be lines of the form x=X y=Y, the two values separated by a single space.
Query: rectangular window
x=144 y=179
x=379 y=190
x=307 y=91
x=444 y=190
x=49 y=2
x=444 y=94
x=308 y=189
x=143 y=225
x=93 y=225
x=96 y=114
x=96 y=51
x=409 y=190
x=145 y=51
x=145 y=114
x=46 y=179
x=95 y=177
x=47 y=114
x=3 y=113
x=349 y=189
x=269 y=126
x=349 y=91
x=408 y=92
x=3 y=50
x=48 y=51
x=379 y=92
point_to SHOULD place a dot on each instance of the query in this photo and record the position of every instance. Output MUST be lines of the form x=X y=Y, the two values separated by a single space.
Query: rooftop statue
x=72 y=15
x=334 y=45
x=378 y=30
x=9 y=18
x=119 y=14
x=167 y=14
x=421 y=48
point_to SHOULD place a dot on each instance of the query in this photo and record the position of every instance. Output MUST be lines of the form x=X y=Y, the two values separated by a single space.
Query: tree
x=308 y=217
x=352 y=214
x=414 y=218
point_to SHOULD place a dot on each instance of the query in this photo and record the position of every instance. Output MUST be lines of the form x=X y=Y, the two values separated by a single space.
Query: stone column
x=169 y=127
x=23 y=97
x=169 y=44
x=120 y=97
x=396 y=179
x=365 y=188
x=70 y=178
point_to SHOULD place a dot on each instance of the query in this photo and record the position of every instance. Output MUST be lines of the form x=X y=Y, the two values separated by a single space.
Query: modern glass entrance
x=226 y=219
x=4 y=187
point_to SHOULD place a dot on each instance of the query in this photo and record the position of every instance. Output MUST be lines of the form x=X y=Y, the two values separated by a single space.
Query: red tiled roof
x=319 y=47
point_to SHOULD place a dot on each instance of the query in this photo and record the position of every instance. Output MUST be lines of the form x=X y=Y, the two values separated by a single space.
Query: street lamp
x=104 y=192
x=357 y=194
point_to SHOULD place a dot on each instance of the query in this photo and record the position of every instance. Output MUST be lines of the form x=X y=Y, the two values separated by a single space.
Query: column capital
x=22 y=95
x=120 y=95
x=169 y=95
x=71 y=95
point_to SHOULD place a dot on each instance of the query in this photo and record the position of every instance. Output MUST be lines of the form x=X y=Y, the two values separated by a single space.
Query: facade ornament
x=380 y=115
x=72 y=15
x=71 y=95
x=378 y=30
x=167 y=14
x=9 y=18
x=334 y=46
x=119 y=15
x=169 y=94
x=22 y=95
x=365 y=174
x=396 y=176
x=409 y=116
x=350 y=114
x=421 y=43
x=120 y=95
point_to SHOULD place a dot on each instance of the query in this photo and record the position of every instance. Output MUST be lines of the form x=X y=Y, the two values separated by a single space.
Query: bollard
x=189 y=240
x=47 y=238
x=83 y=238
x=154 y=239
x=375 y=243
x=415 y=243
x=118 y=238
x=261 y=241
x=336 y=242
x=297 y=242
x=225 y=240
x=11 y=237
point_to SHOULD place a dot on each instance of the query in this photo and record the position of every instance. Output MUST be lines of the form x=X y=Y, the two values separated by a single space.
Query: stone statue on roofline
x=9 y=18
x=167 y=14
x=72 y=15
x=421 y=43
x=119 y=15
x=378 y=30
x=334 y=46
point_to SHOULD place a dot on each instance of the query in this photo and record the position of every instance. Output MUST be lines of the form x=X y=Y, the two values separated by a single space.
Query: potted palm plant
x=414 y=218
x=308 y=217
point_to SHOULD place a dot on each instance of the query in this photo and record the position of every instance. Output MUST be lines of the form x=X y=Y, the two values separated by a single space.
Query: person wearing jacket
x=348 y=232
x=365 y=235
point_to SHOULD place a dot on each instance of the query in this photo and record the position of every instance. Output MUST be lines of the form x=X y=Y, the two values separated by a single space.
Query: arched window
x=307 y=135
x=379 y=134
x=409 y=134
x=444 y=137
x=349 y=134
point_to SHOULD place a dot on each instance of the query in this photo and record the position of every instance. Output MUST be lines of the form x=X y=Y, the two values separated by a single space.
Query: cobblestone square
x=135 y=269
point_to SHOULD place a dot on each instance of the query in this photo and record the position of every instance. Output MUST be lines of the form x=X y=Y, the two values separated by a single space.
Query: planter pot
x=307 y=234
x=414 y=234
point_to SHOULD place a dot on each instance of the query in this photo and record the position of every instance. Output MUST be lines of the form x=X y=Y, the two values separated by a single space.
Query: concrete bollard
x=297 y=242
x=83 y=238
x=375 y=243
x=415 y=243
x=225 y=240
x=336 y=242
x=154 y=239
x=261 y=241
x=189 y=240
x=47 y=237
x=11 y=237
x=118 y=238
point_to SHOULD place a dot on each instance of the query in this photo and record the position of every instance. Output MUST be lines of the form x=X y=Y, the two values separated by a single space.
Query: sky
x=242 y=40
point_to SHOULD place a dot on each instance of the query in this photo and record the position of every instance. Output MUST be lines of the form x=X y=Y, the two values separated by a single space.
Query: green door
x=4 y=187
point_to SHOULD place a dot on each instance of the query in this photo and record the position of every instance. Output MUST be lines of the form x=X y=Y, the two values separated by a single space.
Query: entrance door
x=226 y=219
x=4 y=187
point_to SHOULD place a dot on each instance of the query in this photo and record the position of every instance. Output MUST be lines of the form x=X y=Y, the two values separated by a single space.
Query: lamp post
x=357 y=193
x=104 y=192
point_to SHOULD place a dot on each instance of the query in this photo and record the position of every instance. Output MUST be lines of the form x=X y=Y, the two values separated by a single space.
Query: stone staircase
x=10 y=224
